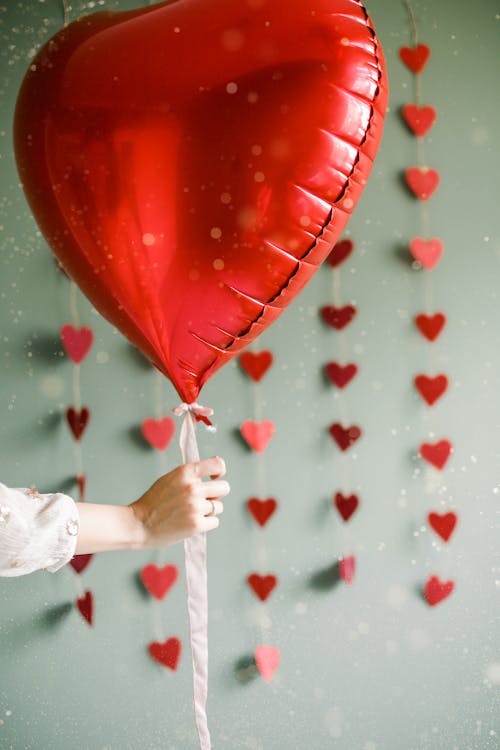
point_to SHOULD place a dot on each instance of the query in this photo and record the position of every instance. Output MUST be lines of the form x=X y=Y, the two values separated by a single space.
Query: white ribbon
x=195 y=560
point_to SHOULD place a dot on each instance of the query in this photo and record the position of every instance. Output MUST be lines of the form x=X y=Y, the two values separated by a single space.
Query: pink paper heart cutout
x=158 y=432
x=347 y=568
x=436 y=591
x=257 y=434
x=427 y=252
x=159 y=581
x=267 y=659
x=168 y=653
x=77 y=342
x=422 y=181
x=419 y=119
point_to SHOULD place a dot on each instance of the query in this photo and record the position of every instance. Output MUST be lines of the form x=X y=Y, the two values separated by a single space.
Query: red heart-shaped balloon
x=168 y=653
x=158 y=432
x=347 y=568
x=431 y=389
x=340 y=253
x=258 y=434
x=267 y=659
x=430 y=326
x=435 y=590
x=85 y=605
x=415 y=58
x=443 y=523
x=193 y=197
x=340 y=375
x=77 y=420
x=159 y=581
x=262 y=510
x=422 y=181
x=427 y=252
x=346 y=504
x=344 y=436
x=338 y=317
x=256 y=364
x=76 y=342
x=436 y=454
x=419 y=119
x=262 y=586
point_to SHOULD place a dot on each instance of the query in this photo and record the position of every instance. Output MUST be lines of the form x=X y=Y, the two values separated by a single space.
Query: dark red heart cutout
x=436 y=454
x=344 y=436
x=347 y=568
x=415 y=58
x=430 y=326
x=431 y=388
x=341 y=251
x=256 y=364
x=81 y=481
x=80 y=562
x=346 y=504
x=338 y=317
x=257 y=434
x=85 y=605
x=262 y=510
x=159 y=581
x=168 y=653
x=422 y=181
x=419 y=119
x=262 y=586
x=435 y=590
x=427 y=252
x=194 y=196
x=443 y=524
x=76 y=342
x=158 y=432
x=77 y=420
x=340 y=375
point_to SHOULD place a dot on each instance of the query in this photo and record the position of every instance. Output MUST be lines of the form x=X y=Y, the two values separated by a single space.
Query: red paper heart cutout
x=262 y=586
x=262 y=510
x=77 y=420
x=419 y=119
x=267 y=659
x=435 y=590
x=340 y=253
x=338 y=317
x=168 y=653
x=430 y=326
x=436 y=454
x=85 y=605
x=422 y=181
x=415 y=58
x=80 y=562
x=431 y=389
x=344 y=436
x=347 y=568
x=81 y=481
x=427 y=252
x=256 y=364
x=158 y=432
x=443 y=524
x=257 y=434
x=159 y=581
x=76 y=342
x=192 y=198
x=340 y=375
x=346 y=504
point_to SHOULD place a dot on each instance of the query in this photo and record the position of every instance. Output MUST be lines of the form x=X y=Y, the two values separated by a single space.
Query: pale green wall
x=367 y=667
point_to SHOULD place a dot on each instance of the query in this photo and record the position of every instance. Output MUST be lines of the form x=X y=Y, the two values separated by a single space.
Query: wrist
x=104 y=528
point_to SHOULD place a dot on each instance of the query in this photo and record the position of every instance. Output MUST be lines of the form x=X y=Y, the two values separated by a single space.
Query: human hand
x=180 y=504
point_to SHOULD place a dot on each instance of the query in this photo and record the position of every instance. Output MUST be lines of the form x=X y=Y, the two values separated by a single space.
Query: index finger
x=210 y=467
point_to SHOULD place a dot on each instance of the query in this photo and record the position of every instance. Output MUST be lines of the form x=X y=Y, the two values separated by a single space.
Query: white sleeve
x=36 y=531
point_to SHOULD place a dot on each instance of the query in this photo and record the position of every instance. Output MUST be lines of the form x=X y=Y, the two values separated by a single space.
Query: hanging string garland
x=427 y=252
x=340 y=375
x=257 y=433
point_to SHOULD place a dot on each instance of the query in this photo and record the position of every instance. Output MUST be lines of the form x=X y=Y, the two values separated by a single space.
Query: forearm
x=104 y=528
